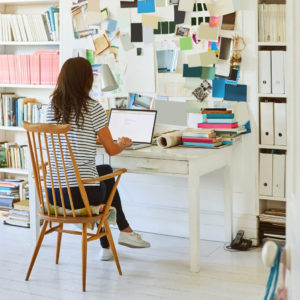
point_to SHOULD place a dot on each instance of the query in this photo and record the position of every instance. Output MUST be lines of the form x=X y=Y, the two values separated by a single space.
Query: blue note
x=218 y=87
x=191 y=71
x=146 y=6
x=111 y=27
x=235 y=92
x=214 y=46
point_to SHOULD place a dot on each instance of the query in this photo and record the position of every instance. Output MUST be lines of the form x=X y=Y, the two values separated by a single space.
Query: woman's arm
x=112 y=148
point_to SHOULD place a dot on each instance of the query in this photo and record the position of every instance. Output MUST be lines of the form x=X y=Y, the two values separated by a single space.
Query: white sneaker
x=105 y=254
x=132 y=240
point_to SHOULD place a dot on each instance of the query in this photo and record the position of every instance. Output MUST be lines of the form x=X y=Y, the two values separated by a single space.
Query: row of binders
x=271 y=22
x=272 y=174
x=271 y=72
x=30 y=28
x=42 y=67
x=14 y=110
x=273 y=123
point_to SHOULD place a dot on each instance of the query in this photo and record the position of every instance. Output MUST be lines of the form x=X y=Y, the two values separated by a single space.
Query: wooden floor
x=160 y=272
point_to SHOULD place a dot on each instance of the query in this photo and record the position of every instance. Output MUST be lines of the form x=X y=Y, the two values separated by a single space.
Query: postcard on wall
x=205 y=32
x=219 y=7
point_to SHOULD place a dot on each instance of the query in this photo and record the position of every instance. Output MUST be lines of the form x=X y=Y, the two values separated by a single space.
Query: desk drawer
x=150 y=165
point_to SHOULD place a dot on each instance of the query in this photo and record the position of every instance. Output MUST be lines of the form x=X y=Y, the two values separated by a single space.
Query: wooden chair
x=35 y=134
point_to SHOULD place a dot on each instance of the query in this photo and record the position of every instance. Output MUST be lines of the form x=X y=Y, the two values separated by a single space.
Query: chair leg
x=36 y=249
x=58 y=243
x=112 y=246
x=83 y=255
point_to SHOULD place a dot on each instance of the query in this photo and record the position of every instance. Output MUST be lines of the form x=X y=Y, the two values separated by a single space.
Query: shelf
x=26 y=86
x=29 y=43
x=273 y=44
x=14 y=171
x=275 y=147
x=272 y=95
x=12 y=128
x=272 y=198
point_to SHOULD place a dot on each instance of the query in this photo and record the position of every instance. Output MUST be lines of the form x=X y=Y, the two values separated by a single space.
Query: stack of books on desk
x=9 y=193
x=201 y=138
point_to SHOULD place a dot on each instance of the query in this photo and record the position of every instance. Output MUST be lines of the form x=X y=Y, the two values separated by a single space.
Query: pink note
x=214 y=21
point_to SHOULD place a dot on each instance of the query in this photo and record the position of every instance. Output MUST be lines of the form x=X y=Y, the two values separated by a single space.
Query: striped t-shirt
x=83 y=143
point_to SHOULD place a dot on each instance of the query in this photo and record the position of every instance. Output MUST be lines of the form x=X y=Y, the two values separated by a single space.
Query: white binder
x=267 y=123
x=278 y=72
x=280 y=121
x=265 y=174
x=279 y=175
x=264 y=72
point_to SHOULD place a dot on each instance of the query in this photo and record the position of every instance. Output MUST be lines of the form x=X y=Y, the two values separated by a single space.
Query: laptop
x=136 y=124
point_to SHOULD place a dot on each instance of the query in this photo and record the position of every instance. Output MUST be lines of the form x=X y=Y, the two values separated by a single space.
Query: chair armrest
x=105 y=177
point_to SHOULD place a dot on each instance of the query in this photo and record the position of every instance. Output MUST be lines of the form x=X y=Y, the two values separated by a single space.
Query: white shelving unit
x=267 y=202
x=40 y=92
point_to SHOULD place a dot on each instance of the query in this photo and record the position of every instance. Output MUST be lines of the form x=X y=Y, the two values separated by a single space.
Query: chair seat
x=70 y=219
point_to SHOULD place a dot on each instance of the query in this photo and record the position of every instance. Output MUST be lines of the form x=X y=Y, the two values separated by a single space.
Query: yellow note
x=150 y=21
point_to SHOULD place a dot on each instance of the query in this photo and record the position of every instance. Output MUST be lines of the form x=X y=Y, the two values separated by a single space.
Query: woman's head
x=74 y=83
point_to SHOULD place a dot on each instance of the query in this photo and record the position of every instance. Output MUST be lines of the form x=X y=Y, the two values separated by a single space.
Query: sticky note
x=202 y=59
x=139 y=51
x=235 y=92
x=148 y=36
x=164 y=27
x=185 y=43
x=101 y=43
x=214 y=21
x=112 y=25
x=136 y=32
x=218 y=87
x=186 y=5
x=207 y=33
x=150 y=20
x=172 y=27
x=191 y=72
x=126 y=43
x=104 y=14
x=160 y=3
x=127 y=4
x=179 y=16
x=214 y=46
x=145 y=6
x=158 y=30
x=208 y=73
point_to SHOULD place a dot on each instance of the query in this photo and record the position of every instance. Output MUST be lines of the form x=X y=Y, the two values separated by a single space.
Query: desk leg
x=228 y=203
x=194 y=218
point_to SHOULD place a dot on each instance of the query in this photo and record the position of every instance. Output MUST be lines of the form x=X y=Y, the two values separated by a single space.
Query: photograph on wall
x=137 y=101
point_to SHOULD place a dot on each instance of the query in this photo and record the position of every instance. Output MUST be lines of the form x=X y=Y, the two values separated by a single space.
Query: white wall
x=159 y=204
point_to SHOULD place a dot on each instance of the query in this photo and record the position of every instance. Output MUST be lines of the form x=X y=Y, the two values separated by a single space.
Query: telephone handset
x=239 y=243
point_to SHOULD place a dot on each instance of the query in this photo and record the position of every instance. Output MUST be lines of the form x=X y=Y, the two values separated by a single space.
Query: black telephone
x=239 y=243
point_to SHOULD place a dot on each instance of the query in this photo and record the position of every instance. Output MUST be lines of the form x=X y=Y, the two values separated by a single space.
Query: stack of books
x=42 y=67
x=272 y=224
x=201 y=138
x=19 y=215
x=14 y=110
x=13 y=155
x=29 y=27
x=9 y=193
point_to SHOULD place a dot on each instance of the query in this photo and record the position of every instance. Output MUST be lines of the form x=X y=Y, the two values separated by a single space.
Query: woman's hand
x=124 y=142
x=98 y=141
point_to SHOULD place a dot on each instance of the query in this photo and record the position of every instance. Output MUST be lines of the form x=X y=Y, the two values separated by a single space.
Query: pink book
x=55 y=68
x=199 y=140
x=6 y=78
x=18 y=69
x=12 y=69
x=34 y=69
x=46 y=68
x=27 y=73
x=209 y=125
x=2 y=75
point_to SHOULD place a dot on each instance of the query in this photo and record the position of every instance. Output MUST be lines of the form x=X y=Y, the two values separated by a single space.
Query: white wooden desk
x=183 y=162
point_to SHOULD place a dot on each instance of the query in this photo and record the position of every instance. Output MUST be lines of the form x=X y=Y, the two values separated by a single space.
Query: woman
x=71 y=104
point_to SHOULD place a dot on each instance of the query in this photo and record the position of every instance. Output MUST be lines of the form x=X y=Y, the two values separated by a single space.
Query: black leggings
x=96 y=195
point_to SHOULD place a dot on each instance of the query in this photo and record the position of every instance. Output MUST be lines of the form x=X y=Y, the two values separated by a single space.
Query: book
x=224 y=126
x=215 y=111
x=7 y=201
x=219 y=121
x=201 y=140
x=206 y=145
x=21 y=205
x=200 y=133
x=218 y=116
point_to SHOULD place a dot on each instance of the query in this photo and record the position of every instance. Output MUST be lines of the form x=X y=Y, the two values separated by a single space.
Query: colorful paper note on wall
x=136 y=32
x=148 y=35
x=191 y=72
x=126 y=42
x=185 y=43
x=101 y=44
x=186 y=5
x=93 y=15
x=150 y=20
x=160 y=3
x=207 y=33
x=219 y=7
x=235 y=92
x=218 y=87
x=214 y=21
x=111 y=26
x=208 y=73
x=127 y=4
x=146 y=6
x=202 y=59
x=179 y=16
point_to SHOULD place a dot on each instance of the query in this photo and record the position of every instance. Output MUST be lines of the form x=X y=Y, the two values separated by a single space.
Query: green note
x=208 y=73
x=158 y=30
x=164 y=27
x=160 y=3
x=171 y=27
x=186 y=43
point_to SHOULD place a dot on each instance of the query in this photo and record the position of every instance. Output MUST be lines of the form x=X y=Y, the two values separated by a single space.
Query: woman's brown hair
x=70 y=96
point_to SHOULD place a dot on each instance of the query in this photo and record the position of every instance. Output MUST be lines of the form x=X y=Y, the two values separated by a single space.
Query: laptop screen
x=138 y=124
